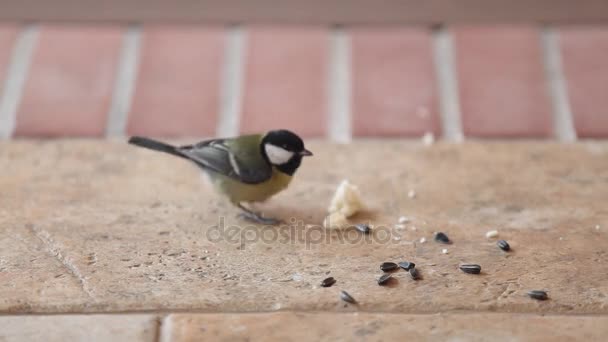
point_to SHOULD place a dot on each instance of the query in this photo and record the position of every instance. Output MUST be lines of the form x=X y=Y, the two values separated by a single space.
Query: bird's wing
x=238 y=159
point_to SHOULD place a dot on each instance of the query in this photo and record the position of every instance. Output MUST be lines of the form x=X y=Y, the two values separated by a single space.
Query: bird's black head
x=284 y=150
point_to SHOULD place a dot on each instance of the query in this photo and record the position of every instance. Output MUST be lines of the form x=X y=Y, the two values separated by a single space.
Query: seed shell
x=385 y=279
x=492 y=234
x=404 y=219
x=538 y=294
x=328 y=282
x=347 y=298
x=406 y=265
x=470 y=268
x=504 y=245
x=442 y=238
x=388 y=266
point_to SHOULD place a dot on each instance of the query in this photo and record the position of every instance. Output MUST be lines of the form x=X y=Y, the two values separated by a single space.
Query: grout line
x=158 y=327
x=124 y=86
x=232 y=80
x=339 y=87
x=447 y=82
x=165 y=328
x=16 y=77
x=167 y=313
x=557 y=86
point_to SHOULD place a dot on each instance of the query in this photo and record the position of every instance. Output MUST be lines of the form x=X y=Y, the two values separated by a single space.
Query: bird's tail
x=155 y=145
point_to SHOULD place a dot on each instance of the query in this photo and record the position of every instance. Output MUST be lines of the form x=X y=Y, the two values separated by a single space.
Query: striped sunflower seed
x=363 y=228
x=470 y=268
x=385 y=279
x=414 y=273
x=406 y=265
x=504 y=245
x=538 y=294
x=388 y=266
x=442 y=238
x=347 y=298
x=328 y=282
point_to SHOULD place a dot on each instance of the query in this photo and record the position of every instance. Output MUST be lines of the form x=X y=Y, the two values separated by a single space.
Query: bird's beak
x=306 y=153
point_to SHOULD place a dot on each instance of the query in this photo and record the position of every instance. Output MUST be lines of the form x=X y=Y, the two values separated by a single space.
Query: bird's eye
x=284 y=147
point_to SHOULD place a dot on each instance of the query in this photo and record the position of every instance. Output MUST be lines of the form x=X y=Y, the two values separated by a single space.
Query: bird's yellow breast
x=240 y=192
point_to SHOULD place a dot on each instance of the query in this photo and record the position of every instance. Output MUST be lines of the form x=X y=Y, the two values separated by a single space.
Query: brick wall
x=482 y=81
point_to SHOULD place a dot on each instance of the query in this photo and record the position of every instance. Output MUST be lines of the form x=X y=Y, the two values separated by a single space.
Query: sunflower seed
x=470 y=268
x=386 y=277
x=441 y=237
x=328 y=282
x=414 y=273
x=347 y=298
x=406 y=265
x=363 y=228
x=538 y=294
x=388 y=266
x=504 y=245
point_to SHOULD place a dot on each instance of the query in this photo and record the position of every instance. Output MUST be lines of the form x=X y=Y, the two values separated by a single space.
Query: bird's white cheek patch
x=277 y=155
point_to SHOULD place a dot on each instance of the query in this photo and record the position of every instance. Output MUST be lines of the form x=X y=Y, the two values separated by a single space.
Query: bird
x=246 y=169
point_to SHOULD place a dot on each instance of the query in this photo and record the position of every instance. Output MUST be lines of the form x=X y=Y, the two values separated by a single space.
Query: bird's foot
x=252 y=216
x=257 y=218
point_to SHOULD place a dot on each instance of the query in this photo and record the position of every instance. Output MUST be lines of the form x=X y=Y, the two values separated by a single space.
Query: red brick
x=503 y=91
x=177 y=91
x=285 y=80
x=585 y=62
x=8 y=34
x=69 y=86
x=393 y=82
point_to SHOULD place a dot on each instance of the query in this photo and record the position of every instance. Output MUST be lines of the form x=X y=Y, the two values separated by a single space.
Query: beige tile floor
x=100 y=227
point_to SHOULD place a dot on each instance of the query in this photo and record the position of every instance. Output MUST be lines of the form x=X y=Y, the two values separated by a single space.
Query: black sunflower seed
x=406 y=265
x=504 y=245
x=538 y=294
x=328 y=282
x=388 y=266
x=470 y=268
x=363 y=228
x=414 y=273
x=386 y=277
x=347 y=298
x=441 y=237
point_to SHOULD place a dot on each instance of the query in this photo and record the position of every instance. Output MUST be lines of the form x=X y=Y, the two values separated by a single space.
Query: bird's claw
x=257 y=218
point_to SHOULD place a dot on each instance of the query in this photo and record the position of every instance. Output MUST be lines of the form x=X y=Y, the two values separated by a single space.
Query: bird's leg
x=256 y=217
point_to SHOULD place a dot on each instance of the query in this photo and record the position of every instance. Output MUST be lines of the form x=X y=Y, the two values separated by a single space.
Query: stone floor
x=98 y=227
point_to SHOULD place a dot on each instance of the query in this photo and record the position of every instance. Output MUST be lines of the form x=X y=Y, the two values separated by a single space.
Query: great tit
x=248 y=168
